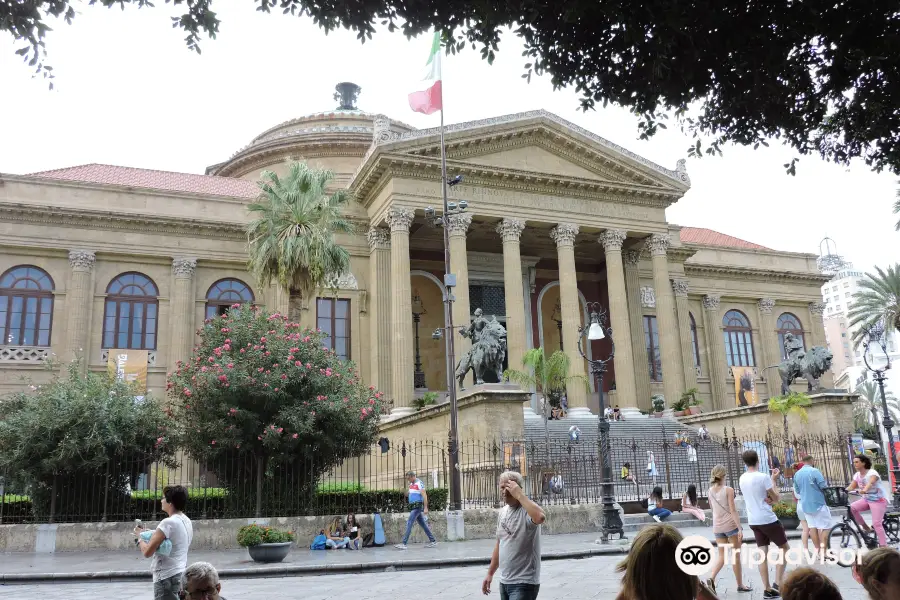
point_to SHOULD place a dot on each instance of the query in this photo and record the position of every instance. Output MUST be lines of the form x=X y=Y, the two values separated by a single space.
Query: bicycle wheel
x=842 y=538
x=892 y=529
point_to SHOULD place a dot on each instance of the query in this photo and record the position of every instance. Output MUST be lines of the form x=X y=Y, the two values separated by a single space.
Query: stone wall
x=829 y=413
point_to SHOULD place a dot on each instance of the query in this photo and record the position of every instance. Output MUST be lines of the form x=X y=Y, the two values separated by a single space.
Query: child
x=689 y=504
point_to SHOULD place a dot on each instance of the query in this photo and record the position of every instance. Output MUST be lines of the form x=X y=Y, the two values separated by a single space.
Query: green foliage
x=291 y=235
x=868 y=406
x=547 y=375
x=385 y=501
x=691 y=397
x=881 y=467
x=74 y=432
x=819 y=79
x=876 y=302
x=427 y=399
x=193 y=493
x=793 y=403
x=785 y=510
x=260 y=392
x=658 y=402
x=254 y=535
x=340 y=487
x=681 y=404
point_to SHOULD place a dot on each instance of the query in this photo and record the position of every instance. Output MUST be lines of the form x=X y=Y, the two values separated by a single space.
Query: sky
x=128 y=92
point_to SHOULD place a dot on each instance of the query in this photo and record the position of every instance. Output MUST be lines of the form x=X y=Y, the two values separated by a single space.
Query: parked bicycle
x=848 y=533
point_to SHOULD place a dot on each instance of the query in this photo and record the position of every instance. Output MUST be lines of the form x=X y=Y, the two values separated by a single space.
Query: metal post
x=418 y=374
x=888 y=423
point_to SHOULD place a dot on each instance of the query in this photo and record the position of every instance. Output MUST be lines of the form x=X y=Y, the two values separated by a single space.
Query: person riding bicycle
x=867 y=482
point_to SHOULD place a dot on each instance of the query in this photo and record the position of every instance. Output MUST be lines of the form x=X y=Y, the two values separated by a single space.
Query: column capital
x=632 y=258
x=612 y=240
x=379 y=238
x=399 y=219
x=766 y=305
x=564 y=234
x=711 y=302
x=658 y=244
x=817 y=308
x=458 y=225
x=510 y=229
x=184 y=267
x=82 y=260
x=681 y=287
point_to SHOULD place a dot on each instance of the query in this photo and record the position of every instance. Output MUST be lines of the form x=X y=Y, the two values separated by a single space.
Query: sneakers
x=400 y=546
x=771 y=593
x=431 y=545
x=657 y=519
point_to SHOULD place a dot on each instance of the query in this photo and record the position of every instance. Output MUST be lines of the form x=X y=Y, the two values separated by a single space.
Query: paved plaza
x=561 y=580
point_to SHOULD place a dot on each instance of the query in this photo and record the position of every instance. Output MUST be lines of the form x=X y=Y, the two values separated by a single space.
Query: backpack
x=378 y=539
x=318 y=542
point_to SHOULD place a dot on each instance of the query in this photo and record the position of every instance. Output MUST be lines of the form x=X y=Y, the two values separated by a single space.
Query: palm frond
x=877 y=301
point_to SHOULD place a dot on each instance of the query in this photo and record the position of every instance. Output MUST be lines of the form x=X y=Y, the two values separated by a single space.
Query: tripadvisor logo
x=694 y=556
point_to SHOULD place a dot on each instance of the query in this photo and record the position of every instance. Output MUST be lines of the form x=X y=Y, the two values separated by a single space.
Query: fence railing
x=565 y=472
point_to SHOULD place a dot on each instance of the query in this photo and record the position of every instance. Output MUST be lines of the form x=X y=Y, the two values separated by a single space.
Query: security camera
x=456 y=180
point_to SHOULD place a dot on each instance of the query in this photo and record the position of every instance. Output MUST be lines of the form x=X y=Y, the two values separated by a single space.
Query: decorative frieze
x=766 y=305
x=612 y=239
x=347 y=281
x=381 y=132
x=817 y=308
x=510 y=229
x=399 y=219
x=681 y=287
x=23 y=354
x=379 y=238
x=632 y=258
x=648 y=297
x=564 y=234
x=658 y=244
x=711 y=302
x=82 y=260
x=458 y=225
x=184 y=267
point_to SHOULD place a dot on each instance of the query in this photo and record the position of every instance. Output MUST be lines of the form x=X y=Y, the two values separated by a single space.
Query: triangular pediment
x=535 y=159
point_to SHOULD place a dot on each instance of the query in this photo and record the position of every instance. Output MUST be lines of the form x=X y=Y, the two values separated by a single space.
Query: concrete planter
x=693 y=410
x=789 y=523
x=270 y=553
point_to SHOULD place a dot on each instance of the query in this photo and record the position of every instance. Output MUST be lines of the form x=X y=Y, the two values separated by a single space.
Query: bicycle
x=848 y=533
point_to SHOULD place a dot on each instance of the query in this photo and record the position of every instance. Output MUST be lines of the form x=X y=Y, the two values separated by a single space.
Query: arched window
x=26 y=307
x=788 y=323
x=738 y=339
x=224 y=294
x=129 y=321
x=695 y=346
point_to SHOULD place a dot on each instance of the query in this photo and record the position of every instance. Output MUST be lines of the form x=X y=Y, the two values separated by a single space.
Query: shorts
x=800 y=514
x=821 y=519
x=770 y=533
x=727 y=534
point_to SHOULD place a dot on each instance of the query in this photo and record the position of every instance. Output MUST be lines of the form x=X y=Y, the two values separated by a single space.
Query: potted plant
x=427 y=399
x=679 y=407
x=787 y=514
x=691 y=402
x=265 y=544
x=659 y=405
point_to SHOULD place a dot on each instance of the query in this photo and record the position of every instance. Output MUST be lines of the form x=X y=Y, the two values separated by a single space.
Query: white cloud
x=129 y=93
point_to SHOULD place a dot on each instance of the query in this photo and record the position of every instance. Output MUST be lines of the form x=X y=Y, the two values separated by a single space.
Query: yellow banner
x=514 y=457
x=129 y=366
x=745 y=386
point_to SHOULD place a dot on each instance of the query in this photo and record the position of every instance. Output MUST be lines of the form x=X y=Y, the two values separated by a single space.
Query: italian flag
x=431 y=99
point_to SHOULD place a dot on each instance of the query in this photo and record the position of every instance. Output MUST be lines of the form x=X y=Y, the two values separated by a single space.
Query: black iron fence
x=565 y=472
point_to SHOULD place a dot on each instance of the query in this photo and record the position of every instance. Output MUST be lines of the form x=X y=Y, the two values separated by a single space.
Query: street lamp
x=877 y=334
x=418 y=309
x=595 y=330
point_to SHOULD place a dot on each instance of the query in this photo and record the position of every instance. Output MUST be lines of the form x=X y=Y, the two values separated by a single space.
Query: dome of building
x=335 y=139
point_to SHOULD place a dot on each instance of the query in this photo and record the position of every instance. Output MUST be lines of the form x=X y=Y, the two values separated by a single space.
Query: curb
x=311 y=570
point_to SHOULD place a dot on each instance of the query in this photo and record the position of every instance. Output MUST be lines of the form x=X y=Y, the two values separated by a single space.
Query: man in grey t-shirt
x=518 y=550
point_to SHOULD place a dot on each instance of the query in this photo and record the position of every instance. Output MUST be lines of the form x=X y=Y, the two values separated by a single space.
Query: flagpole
x=455 y=480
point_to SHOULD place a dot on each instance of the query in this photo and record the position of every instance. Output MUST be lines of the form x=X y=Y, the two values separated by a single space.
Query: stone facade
x=542 y=193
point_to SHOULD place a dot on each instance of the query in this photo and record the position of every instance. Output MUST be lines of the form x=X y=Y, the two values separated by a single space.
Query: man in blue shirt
x=808 y=485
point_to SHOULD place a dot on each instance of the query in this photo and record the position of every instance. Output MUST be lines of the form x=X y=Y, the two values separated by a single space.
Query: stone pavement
x=560 y=580
x=124 y=565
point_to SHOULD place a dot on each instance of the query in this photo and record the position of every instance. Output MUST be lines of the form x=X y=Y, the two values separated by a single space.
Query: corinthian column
x=564 y=236
x=712 y=324
x=816 y=314
x=670 y=349
x=182 y=311
x=680 y=287
x=771 y=353
x=380 y=307
x=510 y=231
x=78 y=305
x=399 y=220
x=636 y=326
x=626 y=392
x=457 y=228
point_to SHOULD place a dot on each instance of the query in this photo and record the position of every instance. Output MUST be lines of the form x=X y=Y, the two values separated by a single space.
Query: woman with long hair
x=726 y=527
x=351 y=529
x=689 y=504
x=655 y=505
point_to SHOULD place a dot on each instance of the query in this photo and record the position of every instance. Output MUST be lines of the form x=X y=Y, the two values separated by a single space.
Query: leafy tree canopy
x=820 y=75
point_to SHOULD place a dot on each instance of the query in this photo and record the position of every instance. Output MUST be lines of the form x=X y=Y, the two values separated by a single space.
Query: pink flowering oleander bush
x=263 y=395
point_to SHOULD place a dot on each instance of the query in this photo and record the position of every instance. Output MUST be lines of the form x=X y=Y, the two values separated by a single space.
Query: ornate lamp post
x=418 y=309
x=596 y=330
x=878 y=335
x=557 y=316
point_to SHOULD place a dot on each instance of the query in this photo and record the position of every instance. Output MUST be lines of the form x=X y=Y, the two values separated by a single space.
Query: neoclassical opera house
x=99 y=257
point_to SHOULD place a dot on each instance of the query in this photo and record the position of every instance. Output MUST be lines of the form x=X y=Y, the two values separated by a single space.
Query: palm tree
x=868 y=410
x=291 y=237
x=897 y=210
x=547 y=376
x=795 y=403
x=878 y=301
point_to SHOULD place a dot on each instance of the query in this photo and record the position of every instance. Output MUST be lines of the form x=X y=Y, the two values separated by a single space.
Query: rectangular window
x=843 y=334
x=333 y=319
x=651 y=340
x=846 y=294
x=846 y=284
x=837 y=307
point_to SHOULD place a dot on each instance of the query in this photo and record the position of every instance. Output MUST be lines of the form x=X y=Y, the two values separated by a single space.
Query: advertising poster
x=514 y=457
x=130 y=366
x=891 y=464
x=745 y=386
x=856 y=446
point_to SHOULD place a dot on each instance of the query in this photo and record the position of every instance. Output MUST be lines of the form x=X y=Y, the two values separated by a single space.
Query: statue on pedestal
x=487 y=352
x=810 y=365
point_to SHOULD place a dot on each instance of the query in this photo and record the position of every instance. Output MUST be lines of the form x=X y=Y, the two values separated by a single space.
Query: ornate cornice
x=612 y=240
x=658 y=244
x=817 y=308
x=711 y=302
x=681 y=287
x=458 y=225
x=379 y=238
x=82 y=260
x=564 y=234
x=766 y=305
x=399 y=219
x=752 y=274
x=184 y=267
x=510 y=229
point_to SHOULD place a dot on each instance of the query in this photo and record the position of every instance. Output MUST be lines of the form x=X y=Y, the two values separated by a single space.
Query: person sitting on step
x=655 y=505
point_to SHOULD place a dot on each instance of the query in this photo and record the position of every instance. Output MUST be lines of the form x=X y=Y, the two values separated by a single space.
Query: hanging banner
x=745 y=386
x=891 y=464
x=130 y=366
x=514 y=457
x=857 y=446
